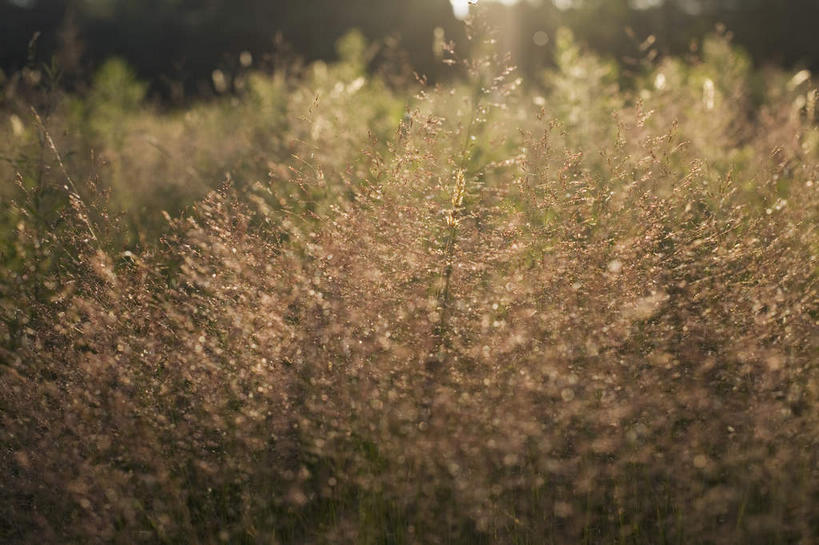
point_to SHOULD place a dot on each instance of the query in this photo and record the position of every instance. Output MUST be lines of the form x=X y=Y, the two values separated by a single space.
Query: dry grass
x=556 y=312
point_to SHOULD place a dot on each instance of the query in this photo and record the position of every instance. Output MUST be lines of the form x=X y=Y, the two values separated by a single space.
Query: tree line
x=173 y=43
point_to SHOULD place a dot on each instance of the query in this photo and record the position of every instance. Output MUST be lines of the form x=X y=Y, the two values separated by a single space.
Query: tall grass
x=331 y=310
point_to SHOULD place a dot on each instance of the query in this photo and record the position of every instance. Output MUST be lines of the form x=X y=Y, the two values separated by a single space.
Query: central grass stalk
x=452 y=220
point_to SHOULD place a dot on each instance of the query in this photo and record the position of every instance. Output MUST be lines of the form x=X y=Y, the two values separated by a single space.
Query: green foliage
x=352 y=51
x=115 y=86
x=115 y=94
x=584 y=89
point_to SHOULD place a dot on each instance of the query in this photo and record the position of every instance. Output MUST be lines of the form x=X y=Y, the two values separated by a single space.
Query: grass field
x=344 y=307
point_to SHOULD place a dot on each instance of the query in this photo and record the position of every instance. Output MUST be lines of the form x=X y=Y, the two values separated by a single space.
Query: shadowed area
x=175 y=45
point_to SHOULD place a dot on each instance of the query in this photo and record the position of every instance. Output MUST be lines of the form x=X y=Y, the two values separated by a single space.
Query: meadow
x=345 y=306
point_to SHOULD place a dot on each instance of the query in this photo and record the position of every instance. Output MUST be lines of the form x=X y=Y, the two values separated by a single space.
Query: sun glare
x=460 y=8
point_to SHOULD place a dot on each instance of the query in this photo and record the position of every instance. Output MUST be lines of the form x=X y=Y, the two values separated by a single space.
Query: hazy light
x=645 y=4
x=460 y=8
x=540 y=38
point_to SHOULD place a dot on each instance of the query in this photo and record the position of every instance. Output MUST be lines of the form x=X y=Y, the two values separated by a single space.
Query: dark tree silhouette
x=183 y=41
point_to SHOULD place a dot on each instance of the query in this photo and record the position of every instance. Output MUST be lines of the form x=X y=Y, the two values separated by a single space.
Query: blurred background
x=177 y=45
